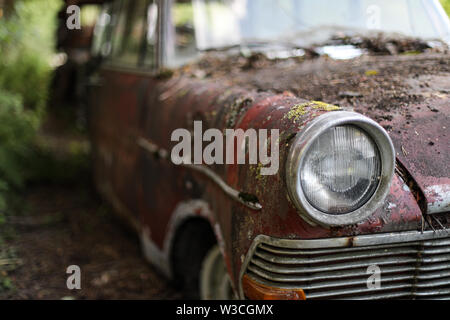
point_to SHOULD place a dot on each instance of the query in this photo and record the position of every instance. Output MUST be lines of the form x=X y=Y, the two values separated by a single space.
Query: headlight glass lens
x=341 y=170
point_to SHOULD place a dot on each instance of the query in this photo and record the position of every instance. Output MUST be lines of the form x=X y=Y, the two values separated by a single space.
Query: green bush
x=33 y=90
x=26 y=48
x=17 y=131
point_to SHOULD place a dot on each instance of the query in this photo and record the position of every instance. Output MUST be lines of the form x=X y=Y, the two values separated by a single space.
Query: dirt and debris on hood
x=387 y=45
x=221 y=63
x=377 y=85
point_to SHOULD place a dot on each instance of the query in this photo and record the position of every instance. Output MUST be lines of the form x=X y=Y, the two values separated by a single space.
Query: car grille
x=416 y=267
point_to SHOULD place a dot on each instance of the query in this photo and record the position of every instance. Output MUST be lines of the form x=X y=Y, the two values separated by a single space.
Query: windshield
x=221 y=23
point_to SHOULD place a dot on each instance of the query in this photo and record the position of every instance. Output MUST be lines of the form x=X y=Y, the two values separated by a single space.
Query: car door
x=121 y=85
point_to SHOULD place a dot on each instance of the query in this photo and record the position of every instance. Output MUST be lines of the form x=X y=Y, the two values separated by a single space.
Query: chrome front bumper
x=413 y=265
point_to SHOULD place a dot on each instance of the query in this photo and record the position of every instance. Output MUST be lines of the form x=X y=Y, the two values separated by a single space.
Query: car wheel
x=215 y=284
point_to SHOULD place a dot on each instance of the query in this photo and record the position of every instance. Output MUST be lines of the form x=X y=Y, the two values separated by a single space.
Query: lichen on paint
x=324 y=106
x=236 y=109
x=165 y=74
x=259 y=176
x=299 y=110
x=261 y=180
x=371 y=73
x=182 y=93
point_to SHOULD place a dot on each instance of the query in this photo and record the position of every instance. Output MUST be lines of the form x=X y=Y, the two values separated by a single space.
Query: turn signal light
x=258 y=291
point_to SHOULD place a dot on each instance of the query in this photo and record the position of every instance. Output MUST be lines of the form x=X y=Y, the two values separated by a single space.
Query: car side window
x=151 y=35
x=101 y=43
x=128 y=40
x=180 y=42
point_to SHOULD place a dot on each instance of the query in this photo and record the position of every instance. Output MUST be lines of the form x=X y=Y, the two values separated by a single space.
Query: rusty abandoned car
x=360 y=94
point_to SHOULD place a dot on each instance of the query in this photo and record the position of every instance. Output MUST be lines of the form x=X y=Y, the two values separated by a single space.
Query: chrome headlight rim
x=300 y=147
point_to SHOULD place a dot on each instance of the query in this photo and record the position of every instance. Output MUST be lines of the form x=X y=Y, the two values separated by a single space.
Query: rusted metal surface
x=135 y=107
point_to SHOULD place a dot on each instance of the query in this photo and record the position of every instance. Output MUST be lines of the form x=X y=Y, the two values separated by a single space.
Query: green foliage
x=31 y=67
x=5 y=284
x=9 y=262
x=89 y=14
x=17 y=130
x=70 y=167
x=446 y=5
x=26 y=48
x=183 y=14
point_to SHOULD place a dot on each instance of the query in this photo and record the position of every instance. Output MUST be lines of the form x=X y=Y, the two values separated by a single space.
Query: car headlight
x=340 y=168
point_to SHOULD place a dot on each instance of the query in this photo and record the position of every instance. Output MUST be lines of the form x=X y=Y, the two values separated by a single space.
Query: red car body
x=133 y=113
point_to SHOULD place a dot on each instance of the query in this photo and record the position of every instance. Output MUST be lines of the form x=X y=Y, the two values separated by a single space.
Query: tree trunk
x=7 y=7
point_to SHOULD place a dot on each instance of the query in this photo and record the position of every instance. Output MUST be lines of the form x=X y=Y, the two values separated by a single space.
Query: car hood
x=409 y=95
x=420 y=133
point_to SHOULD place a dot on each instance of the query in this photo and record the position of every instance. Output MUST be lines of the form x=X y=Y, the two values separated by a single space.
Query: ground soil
x=65 y=223
x=66 y=226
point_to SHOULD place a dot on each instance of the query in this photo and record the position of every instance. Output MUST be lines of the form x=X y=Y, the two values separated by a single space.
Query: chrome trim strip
x=233 y=193
x=163 y=9
x=135 y=70
x=343 y=242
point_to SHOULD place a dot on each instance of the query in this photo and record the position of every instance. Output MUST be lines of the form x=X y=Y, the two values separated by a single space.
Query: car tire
x=215 y=283
x=192 y=245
